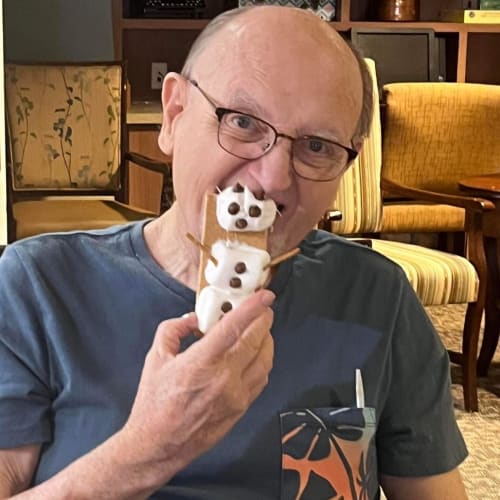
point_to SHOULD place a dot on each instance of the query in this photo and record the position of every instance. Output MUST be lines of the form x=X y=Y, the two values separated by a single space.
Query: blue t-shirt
x=78 y=313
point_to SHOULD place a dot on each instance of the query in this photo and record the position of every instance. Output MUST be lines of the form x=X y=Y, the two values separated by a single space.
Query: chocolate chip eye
x=254 y=211
x=238 y=188
x=241 y=223
x=259 y=196
x=240 y=267
x=235 y=282
x=233 y=208
x=226 y=307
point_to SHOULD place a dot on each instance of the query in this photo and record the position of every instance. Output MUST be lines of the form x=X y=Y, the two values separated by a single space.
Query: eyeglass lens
x=249 y=138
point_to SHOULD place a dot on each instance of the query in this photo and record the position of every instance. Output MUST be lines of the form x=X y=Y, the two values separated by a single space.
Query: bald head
x=268 y=37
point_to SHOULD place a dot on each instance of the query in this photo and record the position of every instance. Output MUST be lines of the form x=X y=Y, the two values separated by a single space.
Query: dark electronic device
x=166 y=8
x=400 y=54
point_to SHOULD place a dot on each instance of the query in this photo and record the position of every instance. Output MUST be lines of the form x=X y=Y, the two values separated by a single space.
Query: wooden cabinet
x=472 y=50
x=145 y=186
x=143 y=126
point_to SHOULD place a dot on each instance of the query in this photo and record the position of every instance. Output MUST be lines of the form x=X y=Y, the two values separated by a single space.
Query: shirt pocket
x=328 y=453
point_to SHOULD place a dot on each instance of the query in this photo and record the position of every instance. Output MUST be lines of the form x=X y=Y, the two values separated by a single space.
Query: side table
x=488 y=186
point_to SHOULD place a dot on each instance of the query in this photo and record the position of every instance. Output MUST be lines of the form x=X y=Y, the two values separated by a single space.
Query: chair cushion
x=437 y=277
x=413 y=217
x=52 y=215
x=65 y=124
x=436 y=133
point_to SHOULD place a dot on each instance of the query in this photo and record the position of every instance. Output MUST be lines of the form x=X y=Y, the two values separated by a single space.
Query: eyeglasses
x=248 y=137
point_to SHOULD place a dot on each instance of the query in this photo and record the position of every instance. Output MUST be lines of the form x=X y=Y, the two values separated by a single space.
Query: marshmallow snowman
x=238 y=209
x=236 y=269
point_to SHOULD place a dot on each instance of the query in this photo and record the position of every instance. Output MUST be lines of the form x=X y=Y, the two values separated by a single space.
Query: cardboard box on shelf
x=471 y=16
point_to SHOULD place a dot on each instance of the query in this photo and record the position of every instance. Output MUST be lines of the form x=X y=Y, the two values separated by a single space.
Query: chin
x=279 y=244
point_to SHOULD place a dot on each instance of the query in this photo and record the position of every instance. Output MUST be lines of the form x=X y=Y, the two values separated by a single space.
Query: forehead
x=292 y=70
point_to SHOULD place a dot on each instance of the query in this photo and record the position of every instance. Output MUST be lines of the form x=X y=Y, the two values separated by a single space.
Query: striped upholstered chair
x=438 y=278
x=434 y=135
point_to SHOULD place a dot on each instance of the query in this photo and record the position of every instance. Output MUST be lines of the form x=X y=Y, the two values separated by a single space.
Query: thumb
x=169 y=334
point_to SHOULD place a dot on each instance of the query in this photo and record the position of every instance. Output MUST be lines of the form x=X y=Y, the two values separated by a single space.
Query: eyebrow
x=245 y=102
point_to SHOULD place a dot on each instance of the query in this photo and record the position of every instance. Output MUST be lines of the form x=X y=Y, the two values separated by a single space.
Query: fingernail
x=267 y=297
x=186 y=315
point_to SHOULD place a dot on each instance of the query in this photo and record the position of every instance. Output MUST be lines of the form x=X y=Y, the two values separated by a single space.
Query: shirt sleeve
x=24 y=381
x=418 y=434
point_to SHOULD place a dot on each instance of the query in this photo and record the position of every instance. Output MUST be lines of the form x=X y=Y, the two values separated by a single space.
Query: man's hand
x=185 y=403
x=188 y=401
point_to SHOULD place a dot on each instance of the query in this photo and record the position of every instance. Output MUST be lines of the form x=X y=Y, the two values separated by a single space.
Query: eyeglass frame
x=220 y=112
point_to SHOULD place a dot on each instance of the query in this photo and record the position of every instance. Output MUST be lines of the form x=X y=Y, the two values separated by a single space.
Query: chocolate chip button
x=235 y=282
x=240 y=267
x=238 y=188
x=233 y=208
x=226 y=307
x=241 y=223
x=254 y=211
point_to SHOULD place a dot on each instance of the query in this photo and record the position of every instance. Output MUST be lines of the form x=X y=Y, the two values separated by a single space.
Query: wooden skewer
x=282 y=257
x=203 y=247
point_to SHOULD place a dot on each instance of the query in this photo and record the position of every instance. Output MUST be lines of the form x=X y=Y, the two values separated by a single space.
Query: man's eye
x=243 y=121
x=244 y=127
x=316 y=146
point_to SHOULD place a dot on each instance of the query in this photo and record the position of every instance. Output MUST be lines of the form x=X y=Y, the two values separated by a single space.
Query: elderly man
x=106 y=393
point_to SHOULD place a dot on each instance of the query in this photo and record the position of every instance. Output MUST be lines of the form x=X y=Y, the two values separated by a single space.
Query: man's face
x=293 y=87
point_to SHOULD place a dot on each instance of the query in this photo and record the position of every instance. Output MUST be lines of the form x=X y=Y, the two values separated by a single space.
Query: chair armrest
x=472 y=203
x=167 y=191
x=329 y=216
x=367 y=242
x=148 y=163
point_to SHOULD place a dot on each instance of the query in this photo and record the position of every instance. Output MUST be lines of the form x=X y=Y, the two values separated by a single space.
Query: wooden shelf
x=438 y=27
x=199 y=24
x=164 y=24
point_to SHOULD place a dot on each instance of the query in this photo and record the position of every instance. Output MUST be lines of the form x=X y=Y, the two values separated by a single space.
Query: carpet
x=481 y=430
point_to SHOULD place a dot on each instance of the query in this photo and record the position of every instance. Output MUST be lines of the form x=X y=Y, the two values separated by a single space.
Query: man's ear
x=173 y=98
x=357 y=142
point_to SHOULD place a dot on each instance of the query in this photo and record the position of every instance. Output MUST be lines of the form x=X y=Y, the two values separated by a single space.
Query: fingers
x=169 y=334
x=256 y=374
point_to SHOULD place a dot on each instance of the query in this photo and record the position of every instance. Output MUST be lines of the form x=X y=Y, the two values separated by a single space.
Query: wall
x=58 y=30
x=3 y=204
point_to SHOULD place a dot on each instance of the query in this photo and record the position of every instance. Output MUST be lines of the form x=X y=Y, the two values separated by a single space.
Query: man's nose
x=275 y=168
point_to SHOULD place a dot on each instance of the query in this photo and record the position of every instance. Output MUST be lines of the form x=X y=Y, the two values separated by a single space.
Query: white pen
x=360 y=392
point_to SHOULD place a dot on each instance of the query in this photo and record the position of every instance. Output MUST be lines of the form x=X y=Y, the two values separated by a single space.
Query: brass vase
x=398 y=10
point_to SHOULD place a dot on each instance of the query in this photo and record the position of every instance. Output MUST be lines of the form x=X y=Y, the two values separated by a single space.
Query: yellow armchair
x=434 y=135
x=437 y=277
x=67 y=148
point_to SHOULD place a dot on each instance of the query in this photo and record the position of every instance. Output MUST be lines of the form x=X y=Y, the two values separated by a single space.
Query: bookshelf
x=472 y=51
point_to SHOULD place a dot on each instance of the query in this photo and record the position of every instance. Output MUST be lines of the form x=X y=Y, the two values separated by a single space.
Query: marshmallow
x=239 y=210
x=240 y=267
x=235 y=230
x=212 y=304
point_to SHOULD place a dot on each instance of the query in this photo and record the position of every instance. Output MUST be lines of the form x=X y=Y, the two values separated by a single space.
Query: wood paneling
x=483 y=57
x=145 y=186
